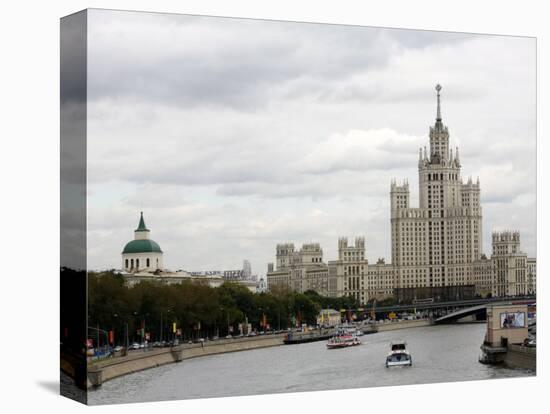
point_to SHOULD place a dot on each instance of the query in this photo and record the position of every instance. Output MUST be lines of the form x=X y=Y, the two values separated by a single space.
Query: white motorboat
x=398 y=355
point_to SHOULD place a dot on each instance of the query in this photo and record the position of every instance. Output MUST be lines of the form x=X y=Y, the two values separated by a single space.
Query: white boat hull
x=399 y=363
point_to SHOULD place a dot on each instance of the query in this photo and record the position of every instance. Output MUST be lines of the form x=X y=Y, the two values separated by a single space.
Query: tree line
x=195 y=309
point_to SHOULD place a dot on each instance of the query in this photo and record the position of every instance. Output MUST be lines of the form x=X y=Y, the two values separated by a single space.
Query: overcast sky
x=234 y=135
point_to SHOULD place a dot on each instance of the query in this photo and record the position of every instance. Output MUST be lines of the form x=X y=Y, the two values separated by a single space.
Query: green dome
x=141 y=246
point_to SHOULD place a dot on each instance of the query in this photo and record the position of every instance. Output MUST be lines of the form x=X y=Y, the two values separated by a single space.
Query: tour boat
x=398 y=355
x=343 y=339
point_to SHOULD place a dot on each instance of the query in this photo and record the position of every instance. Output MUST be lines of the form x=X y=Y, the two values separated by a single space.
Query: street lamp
x=227 y=314
x=115 y=315
x=162 y=325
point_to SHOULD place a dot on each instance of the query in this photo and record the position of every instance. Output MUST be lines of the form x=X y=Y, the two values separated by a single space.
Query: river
x=440 y=354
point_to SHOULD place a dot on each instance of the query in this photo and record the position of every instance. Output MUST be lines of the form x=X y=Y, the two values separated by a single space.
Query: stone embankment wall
x=102 y=371
x=518 y=356
x=390 y=326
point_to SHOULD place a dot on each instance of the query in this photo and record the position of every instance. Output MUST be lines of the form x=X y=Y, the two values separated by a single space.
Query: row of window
x=130 y=263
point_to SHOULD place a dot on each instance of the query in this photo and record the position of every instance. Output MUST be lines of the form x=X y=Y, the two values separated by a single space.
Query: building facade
x=299 y=270
x=531 y=276
x=436 y=243
x=509 y=264
x=352 y=275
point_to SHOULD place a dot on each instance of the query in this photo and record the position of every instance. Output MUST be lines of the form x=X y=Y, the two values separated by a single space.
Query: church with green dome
x=142 y=254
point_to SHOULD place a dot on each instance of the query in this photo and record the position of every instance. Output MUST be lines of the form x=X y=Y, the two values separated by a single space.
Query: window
x=132 y=262
x=148 y=262
x=137 y=263
x=126 y=263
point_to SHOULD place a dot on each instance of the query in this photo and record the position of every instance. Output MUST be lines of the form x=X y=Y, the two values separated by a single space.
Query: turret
x=399 y=195
x=142 y=232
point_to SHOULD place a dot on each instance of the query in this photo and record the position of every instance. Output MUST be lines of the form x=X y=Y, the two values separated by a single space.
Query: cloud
x=233 y=135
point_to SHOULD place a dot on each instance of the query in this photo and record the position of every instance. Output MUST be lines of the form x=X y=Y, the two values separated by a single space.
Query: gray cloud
x=190 y=61
x=233 y=135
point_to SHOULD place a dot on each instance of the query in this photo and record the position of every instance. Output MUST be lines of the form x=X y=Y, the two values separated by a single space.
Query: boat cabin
x=398 y=346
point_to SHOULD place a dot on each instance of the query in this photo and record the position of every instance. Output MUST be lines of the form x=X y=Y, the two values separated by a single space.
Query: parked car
x=118 y=348
x=135 y=345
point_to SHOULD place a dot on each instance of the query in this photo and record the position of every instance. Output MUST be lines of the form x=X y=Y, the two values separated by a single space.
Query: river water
x=440 y=354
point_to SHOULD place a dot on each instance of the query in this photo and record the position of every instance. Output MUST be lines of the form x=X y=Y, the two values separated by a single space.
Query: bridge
x=462 y=313
x=463 y=307
x=476 y=310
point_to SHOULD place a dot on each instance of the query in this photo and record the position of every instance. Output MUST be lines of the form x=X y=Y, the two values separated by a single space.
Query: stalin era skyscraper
x=436 y=244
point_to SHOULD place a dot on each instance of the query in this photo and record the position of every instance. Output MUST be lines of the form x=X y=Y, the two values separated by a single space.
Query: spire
x=457 y=157
x=438 y=88
x=141 y=226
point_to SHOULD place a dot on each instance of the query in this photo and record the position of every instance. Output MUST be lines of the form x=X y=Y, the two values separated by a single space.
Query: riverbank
x=105 y=370
x=102 y=371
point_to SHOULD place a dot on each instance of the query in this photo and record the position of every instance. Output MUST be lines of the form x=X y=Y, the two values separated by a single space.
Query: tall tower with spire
x=436 y=243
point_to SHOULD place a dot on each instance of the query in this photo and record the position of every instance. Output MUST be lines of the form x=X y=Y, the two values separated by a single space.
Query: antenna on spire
x=438 y=88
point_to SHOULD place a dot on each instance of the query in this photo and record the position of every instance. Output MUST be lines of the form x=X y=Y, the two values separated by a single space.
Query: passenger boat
x=343 y=339
x=398 y=355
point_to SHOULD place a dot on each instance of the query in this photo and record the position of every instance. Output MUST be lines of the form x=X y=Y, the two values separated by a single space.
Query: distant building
x=300 y=270
x=142 y=260
x=173 y=278
x=329 y=317
x=436 y=243
x=531 y=276
x=262 y=286
x=350 y=275
x=240 y=274
x=436 y=247
x=142 y=254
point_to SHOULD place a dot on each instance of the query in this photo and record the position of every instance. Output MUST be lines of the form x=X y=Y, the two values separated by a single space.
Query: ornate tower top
x=141 y=225
x=438 y=88
x=439 y=136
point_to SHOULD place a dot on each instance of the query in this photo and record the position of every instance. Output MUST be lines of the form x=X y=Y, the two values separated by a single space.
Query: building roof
x=141 y=225
x=141 y=246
